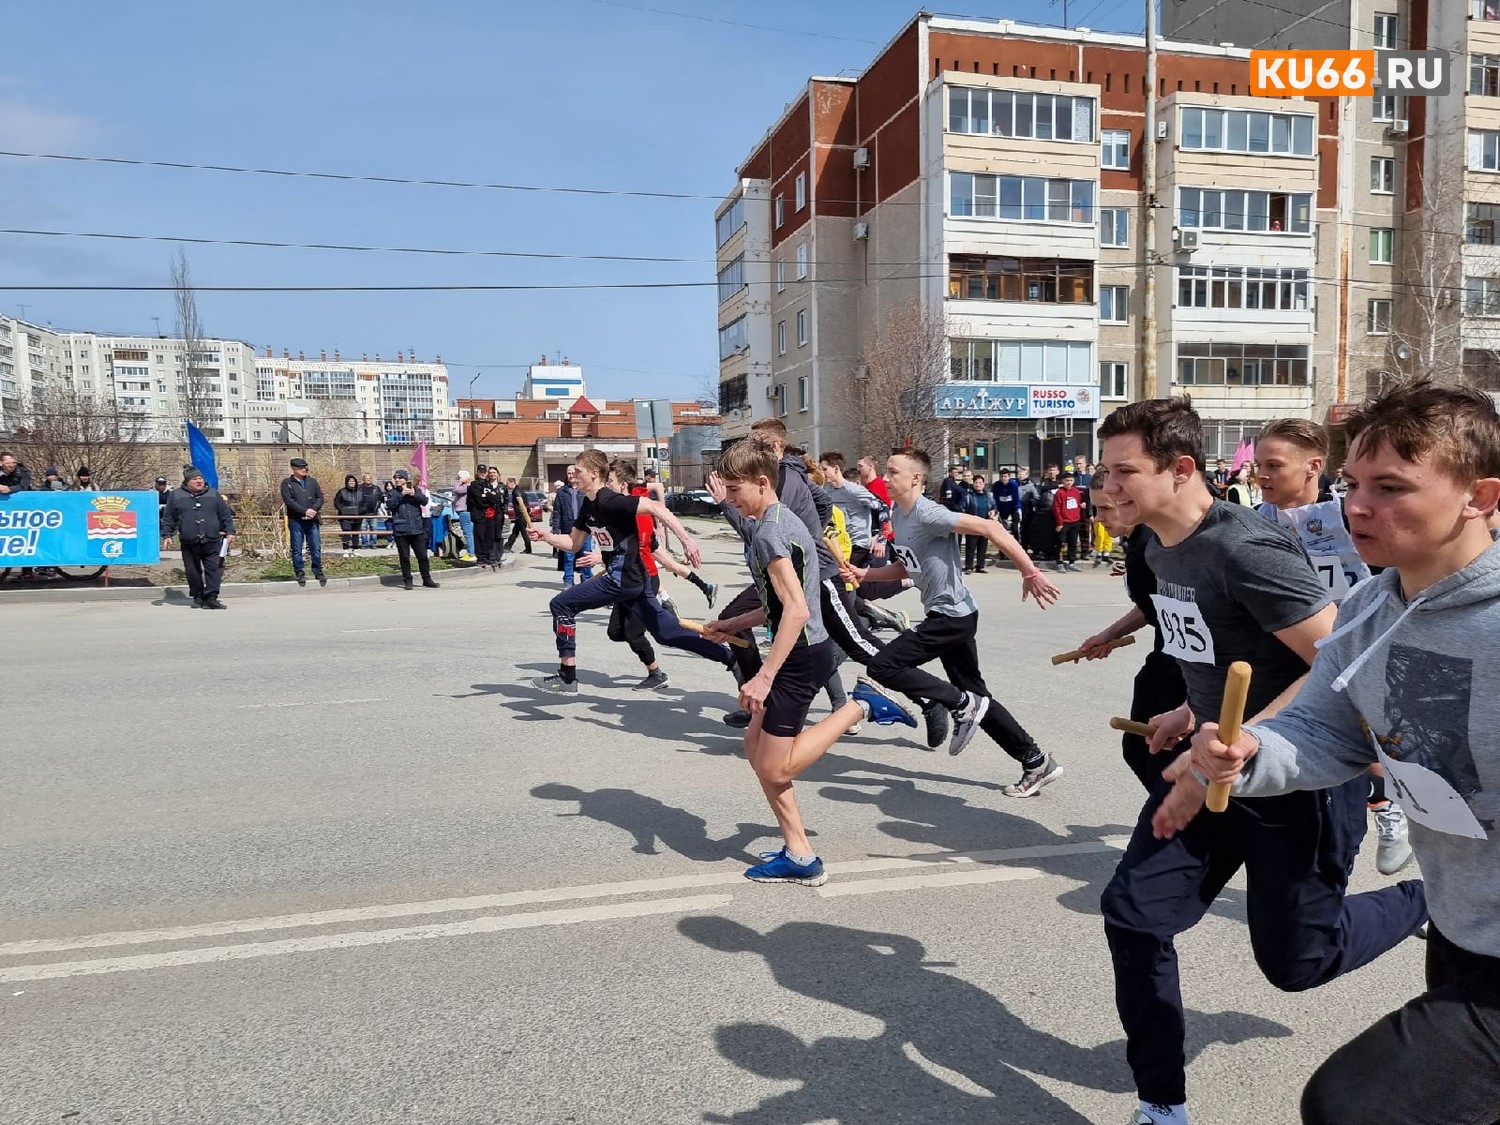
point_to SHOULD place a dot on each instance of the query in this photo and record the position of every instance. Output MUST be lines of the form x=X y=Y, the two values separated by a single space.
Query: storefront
x=995 y=426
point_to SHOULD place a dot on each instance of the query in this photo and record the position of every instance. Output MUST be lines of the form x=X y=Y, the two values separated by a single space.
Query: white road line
x=921 y=882
x=486 y=925
x=383 y=629
x=312 y=703
x=721 y=878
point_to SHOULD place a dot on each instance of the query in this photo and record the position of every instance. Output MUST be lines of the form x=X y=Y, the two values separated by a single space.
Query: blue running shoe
x=780 y=869
x=882 y=709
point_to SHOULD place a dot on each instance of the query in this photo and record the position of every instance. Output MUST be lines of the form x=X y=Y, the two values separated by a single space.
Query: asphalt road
x=329 y=858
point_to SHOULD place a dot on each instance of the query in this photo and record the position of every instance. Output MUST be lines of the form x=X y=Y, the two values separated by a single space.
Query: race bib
x=1184 y=633
x=603 y=540
x=906 y=558
x=1070 y=504
x=1332 y=574
x=1427 y=798
x=1321 y=528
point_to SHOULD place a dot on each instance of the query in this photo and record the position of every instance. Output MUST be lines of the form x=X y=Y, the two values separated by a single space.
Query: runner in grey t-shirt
x=781 y=535
x=926 y=542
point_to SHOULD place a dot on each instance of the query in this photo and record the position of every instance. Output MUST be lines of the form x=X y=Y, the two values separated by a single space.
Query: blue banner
x=203 y=455
x=79 y=529
x=981 y=400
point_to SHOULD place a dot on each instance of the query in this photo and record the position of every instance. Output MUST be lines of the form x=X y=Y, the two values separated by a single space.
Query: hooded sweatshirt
x=1410 y=684
x=810 y=504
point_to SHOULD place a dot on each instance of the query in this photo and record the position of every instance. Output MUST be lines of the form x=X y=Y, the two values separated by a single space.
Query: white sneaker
x=855 y=728
x=1159 y=1115
x=1394 y=850
x=966 y=721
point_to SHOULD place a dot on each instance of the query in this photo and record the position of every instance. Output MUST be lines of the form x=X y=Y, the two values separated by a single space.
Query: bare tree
x=63 y=428
x=894 y=392
x=1426 y=335
x=196 y=396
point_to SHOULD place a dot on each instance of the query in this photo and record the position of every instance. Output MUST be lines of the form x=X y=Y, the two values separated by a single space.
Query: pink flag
x=419 y=462
x=1244 y=454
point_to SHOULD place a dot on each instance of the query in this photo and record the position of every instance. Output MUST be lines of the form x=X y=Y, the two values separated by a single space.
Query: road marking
x=384 y=629
x=919 y=861
x=486 y=925
x=312 y=703
x=921 y=882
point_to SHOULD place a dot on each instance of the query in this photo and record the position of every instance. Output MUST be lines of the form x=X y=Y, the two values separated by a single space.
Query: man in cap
x=52 y=482
x=204 y=524
x=303 y=497
x=85 y=480
x=405 y=502
x=163 y=494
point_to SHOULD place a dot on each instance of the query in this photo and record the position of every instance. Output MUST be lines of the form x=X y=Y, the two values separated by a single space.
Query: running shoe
x=655 y=678
x=711 y=592
x=938 y=724
x=780 y=869
x=669 y=605
x=556 y=684
x=882 y=709
x=966 y=720
x=1394 y=851
x=739 y=720
x=1032 y=781
x=1157 y=1115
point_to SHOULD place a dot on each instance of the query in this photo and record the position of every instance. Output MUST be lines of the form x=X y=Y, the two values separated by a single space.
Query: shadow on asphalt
x=950 y=1051
x=650 y=822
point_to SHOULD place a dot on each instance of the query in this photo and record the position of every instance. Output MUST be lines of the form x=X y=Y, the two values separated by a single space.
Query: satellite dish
x=1403 y=352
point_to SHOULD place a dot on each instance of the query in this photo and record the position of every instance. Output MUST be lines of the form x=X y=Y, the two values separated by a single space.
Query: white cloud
x=32 y=128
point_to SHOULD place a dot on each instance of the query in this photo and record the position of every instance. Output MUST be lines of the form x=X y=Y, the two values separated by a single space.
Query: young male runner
x=1290 y=455
x=1068 y=507
x=1230 y=586
x=611 y=519
x=926 y=549
x=784 y=562
x=864 y=516
x=1409 y=679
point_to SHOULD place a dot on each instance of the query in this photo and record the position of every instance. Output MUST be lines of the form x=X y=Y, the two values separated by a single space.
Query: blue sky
x=621 y=95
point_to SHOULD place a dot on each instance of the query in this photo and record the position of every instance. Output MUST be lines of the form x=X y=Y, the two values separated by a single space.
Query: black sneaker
x=302 y=580
x=711 y=592
x=1032 y=781
x=429 y=584
x=213 y=603
x=655 y=678
x=322 y=579
x=939 y=723
x=197 y=603
x=556 y=684
x=739 y=720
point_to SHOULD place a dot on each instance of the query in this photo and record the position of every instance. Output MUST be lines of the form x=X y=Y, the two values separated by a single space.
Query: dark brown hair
x=1169 y=428
x=773 y=428
x=1457 y=428
x=834 y=459
x=1300 y=432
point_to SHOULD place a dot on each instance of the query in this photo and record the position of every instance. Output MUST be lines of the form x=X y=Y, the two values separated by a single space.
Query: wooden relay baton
x=1231 y=715
x=1130 y=726
x=697 y=627
x=1079 y=654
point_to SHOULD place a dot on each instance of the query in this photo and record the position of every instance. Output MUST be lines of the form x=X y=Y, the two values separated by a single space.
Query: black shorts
x=800 y=679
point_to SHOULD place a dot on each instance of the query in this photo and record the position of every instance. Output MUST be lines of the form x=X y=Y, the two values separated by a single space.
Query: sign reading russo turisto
x=79 y=528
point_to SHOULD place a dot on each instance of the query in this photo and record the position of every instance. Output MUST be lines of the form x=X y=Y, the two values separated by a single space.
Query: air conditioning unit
x=771 y=391
x=861 y=158
x=1161 y=130
x=1187 y=240
x=861 y=232
x=1398 y=128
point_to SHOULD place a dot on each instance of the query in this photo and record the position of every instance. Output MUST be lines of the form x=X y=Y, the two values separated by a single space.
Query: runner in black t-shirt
x=611 y=519
x=1230 y=586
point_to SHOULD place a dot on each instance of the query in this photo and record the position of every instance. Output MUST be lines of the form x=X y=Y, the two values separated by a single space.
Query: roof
x=583 y=406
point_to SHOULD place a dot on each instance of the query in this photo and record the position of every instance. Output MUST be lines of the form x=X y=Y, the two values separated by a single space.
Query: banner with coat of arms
x=79 y=529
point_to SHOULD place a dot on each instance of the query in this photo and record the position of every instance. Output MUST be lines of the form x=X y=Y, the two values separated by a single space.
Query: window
x=1116 y=149
x=1242 y=365
x=1052 y=281
x=1217 y=209
x=1484 y=75
x=780 y=210
x=1022 y=361
x=731 y=279
x=1378 y=318
x=1248 y=131
x=1005 y=113
x=781 y=275
x=1382 y=246
x=801 y=261
x=1484 y=151
x=781 y=337
x=734 y=337
x=1479 y=228
x=802 y=395
x=1484 y=9
x=1387 y=28
x=1382 y=175
x=1114 y=304
x=801 y=327
x=801 y=190
x=1114 y=226
x=1384 y=107
x=1482 y=296
x=1114 y=380
x=1026 y=198
x=780 y=390
x=1242 y=287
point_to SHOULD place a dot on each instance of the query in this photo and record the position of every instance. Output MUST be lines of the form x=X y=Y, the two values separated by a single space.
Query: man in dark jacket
x=204 y=524
x=404 y=502
x=370 y=496
x=953 y=493
x=14 y=476
x=303 y=498
x=565 y=504
x=1006 y=494
x=520 y=517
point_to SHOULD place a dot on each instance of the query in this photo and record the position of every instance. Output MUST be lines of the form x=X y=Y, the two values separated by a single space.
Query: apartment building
x=742 y=236
x=989 y=175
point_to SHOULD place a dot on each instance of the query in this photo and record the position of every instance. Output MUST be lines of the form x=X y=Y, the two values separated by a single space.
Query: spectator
x=85 y=480
x=565 y=504
x=346 y=504
x=465 y=517
x=370 y=497
x=1067 y=514
x=1045 y=542
x=303 y=498
x=52 y=482
x=1218 y=480
x=204 y=525
x=521 y=518
x=163 y=491
x=1026 y=489
x=1243 y=488
x=1083 y=474
x=405 y=502
x=976 y=547
x=486 y=505
x=14 y=476
x=1006 y=496
x=952 y=492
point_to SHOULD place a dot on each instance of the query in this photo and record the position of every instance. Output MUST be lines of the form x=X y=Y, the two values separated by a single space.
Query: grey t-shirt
x=780 y=534
x=859 y=506
x=924 y=543
x=1220 y=596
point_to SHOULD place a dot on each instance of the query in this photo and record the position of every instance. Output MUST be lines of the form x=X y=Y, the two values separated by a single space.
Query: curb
x=231 y=590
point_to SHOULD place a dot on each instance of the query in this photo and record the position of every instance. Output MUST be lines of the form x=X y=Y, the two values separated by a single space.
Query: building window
x=801 y=190
x=781 y=275
x=801 y=261
x=1484 y=151
x=730 y=220
x=1242 y=287
x=1272 y=211
x=1114 y=304
x=734 y=337
x=781 y=400
x=1484 y=9
x=1482 y=296
x=1484 y=75
x=1387 y=30
x=1115 y=149
x=801 y=327
x=1114 y=226
x=1242 y=365
x=1022 y=361
x=1114 y=380
x=780 y=210
x=1481 y=222
x=1378 y=318
x=731 y=279
x=1382 y=175
x=1384 y=107
x=1005 y=113
x=802 y=395
x=1382 y=246
x=781 y=337
x=1025 y=198
x=1050 y=281
x=1247 y=131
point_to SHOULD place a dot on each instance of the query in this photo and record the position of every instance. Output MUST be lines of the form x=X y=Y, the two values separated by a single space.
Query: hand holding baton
x=1108 y=646
x=697 y=627
x=1231 y=715
x=1130 y=726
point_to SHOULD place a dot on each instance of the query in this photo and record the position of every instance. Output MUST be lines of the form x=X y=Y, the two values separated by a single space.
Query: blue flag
x=203 y=455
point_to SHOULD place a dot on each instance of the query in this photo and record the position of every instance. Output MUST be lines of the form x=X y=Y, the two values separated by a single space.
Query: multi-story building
x=742 y=234
x=986 y=179
x=347 y=401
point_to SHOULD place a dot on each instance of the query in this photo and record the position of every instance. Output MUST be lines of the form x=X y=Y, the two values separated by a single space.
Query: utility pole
x=474 y=421
x=1148 y=209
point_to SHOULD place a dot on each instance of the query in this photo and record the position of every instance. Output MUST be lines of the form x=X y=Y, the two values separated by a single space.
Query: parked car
x=536 y=503
x=692 y=502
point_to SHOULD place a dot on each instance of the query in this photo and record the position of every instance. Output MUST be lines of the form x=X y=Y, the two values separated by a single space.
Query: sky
x=645 y=96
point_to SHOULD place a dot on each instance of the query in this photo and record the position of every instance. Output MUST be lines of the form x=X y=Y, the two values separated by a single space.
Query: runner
x=611 y=519
x=1407 y=679
x=926 y=549
x=784 y=562
x=864 y=515
x=1230 y=586
x=1291 y=454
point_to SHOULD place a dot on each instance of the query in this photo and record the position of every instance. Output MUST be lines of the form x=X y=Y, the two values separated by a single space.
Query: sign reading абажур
x=79 y=528
x=980 y=400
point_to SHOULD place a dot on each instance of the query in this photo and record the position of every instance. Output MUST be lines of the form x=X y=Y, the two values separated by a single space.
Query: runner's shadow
x=651 y=821
x=950 y=1051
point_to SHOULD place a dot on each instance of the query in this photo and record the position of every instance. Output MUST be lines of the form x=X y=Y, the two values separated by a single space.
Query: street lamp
x=474 y=421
